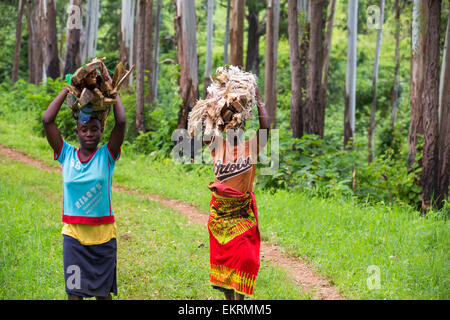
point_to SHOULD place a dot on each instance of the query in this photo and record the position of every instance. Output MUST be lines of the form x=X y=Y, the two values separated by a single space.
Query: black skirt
x=90 y=271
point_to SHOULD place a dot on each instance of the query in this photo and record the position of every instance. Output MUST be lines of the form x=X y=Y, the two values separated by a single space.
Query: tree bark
x=295 y=66
x=312 y=115
x=209 y=38
x=30 y=29
x=298 y=64
x=144 y=92
x=89 y=45
x=270 y=88
x=375 y=83
x=397 y=65
x=127 y=34
x=15 y=69
x=255 y=30
x=50 y=40
x=72 y=56
x=237 y=33
x=187 y=58
x=35 y=59
x=350 y=88
x=444 y=127
x=326 y=65
x=430 y=101
x=417 y=55
x=156 y=49
x=148 y=49
x=62 y=36
x=140 y=67
x=227 y=34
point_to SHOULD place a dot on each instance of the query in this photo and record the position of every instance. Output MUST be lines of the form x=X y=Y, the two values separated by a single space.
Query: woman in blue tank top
x=89 y=232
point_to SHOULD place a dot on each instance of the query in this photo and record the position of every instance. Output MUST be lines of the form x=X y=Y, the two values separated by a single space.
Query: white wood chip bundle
x=231 y=97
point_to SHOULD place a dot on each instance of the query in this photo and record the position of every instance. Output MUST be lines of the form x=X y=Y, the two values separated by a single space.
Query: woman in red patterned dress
x=233 y=221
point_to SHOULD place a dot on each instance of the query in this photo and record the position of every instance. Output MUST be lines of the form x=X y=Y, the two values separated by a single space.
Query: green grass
x=340 y=237
x=161 y=255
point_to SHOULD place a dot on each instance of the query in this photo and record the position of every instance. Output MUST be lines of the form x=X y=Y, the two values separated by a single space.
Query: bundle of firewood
x=92 y=88
x=231 y=97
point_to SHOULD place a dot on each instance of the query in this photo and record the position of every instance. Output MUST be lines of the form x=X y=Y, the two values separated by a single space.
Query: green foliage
x=310 y=164
x=387 y=179
x=162 y=116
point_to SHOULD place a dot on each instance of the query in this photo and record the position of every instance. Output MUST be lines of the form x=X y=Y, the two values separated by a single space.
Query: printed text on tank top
x=224 y=171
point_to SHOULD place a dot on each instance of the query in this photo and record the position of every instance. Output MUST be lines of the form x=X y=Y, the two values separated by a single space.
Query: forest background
x=384 y=161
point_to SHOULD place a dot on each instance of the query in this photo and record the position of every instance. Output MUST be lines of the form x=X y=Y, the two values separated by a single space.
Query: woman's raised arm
x=118 y=133
x=48 y=120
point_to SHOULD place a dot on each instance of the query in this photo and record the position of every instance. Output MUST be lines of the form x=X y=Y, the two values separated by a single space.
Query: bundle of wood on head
x=231 y=97
x=93 y=91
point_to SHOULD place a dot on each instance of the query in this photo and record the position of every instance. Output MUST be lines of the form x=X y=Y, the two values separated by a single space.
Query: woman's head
x=89 y=133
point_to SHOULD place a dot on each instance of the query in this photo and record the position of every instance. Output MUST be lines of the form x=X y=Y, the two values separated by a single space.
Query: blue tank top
x=87 y=185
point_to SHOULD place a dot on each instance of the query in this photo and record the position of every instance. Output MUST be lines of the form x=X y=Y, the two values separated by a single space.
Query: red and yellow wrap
x=234 y=239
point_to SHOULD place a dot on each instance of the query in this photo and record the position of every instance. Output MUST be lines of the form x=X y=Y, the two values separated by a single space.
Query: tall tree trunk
x=148 y=49
x=312 y=114
x=444 y=127
x=254 y=33
x=140 y=66
x=298 y=62
x=187 y=58
x=417 y=59
x=227 y=34
x=15 y=69
x=397 y=65
x=350 y=87
x=30 y=29
x=295 y=66
x=270 y=88
x=237 y=33
x=35 y=59
x=430 y=101
x=209 y=37
x=127 y=34
x=62 y=36
x=143 y=61
x=50 y=40
x=156 y=49
x=89 y=45
x=375 y=82
x=444 y=67
x=326 y=65
x=72 y=57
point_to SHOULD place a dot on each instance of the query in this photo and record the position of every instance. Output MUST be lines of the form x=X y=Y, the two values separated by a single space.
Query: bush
x=312 y=164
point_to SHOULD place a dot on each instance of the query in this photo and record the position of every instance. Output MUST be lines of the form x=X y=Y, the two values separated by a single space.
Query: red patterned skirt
x=234 y=240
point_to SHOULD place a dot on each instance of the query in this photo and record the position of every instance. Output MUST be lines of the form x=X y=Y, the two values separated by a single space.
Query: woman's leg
x=229 y=294
x=74 y=297
x=239 y=296
x=108 y=297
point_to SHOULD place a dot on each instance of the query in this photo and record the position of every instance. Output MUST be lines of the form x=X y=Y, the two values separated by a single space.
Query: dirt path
x=299 y=271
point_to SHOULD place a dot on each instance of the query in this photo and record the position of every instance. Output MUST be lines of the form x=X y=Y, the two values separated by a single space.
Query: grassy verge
x=341 y=238
x=161 y=255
